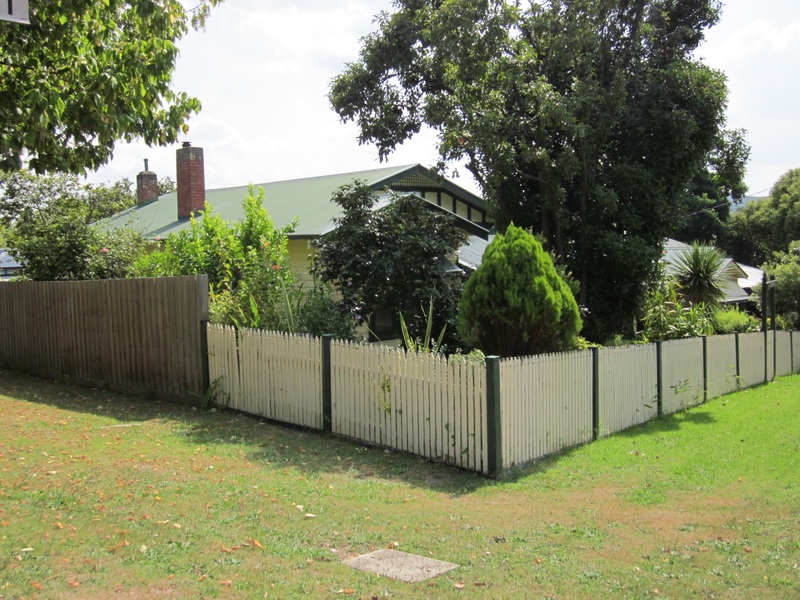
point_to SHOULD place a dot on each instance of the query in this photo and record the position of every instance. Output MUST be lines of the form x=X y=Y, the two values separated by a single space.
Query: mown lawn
x=107 y=496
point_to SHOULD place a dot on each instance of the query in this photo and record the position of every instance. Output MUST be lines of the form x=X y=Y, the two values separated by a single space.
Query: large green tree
x=584 y=120
x=785 y=267
x=714 y=190
x=87 y=73
x=764 y=227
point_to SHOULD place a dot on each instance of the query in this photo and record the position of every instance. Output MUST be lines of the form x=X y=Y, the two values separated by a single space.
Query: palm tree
x=699 y=274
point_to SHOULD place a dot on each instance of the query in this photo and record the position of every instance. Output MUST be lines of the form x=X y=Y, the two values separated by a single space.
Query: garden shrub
x=515 y=303
x=731 y=320
x=246 y=263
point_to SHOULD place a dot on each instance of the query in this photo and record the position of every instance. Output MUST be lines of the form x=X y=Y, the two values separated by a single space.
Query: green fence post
x=705 y=368
x=738 y=363
x=327 y=402
x=596 y=392
x=202 y=291
x=493 y=414
x=765 y=324
x=660 y=378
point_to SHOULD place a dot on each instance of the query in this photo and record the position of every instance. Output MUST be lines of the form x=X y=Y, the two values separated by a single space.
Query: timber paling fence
x=134 y=335
x=151 y=336
x=482 y=416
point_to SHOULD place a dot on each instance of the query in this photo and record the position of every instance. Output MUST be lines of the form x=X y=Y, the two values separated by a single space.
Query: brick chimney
x=146 y=186
x=191 y=180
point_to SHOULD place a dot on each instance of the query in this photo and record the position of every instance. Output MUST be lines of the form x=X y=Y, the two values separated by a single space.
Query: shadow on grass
x=310 y=452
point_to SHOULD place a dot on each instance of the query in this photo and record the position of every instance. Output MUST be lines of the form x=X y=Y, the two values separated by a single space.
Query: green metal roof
x=308 y=200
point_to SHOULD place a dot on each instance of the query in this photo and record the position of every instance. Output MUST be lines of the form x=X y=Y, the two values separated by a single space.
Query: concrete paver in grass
x=402 y=566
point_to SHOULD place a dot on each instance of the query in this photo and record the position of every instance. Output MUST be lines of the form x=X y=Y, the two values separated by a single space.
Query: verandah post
x=738 y=363
x=493 y=415
x=327 y=400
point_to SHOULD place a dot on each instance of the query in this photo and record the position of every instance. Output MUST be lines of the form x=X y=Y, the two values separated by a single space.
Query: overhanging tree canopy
x=86 y=73
x=582 y=119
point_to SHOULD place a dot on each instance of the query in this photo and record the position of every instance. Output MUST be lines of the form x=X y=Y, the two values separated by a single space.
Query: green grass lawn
x=103 y=495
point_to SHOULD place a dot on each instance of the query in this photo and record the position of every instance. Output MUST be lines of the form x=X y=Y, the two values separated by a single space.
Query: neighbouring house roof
x=470 y=254
x=9 y=266
x=308 y=200
x=737 y=279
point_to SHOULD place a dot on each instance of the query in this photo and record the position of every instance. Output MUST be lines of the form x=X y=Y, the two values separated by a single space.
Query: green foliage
x=246 y=263
x=425 y=344
x=731 y=320
x=699 y=275
x=166 y=185
x=515 y=303
x=713 y=189
x=668 y=318
x=86 y=73
x=49 y=220
x=767 y=226
x=785 y=266
x=392 y=258
x=583 y=120
x=319 y=312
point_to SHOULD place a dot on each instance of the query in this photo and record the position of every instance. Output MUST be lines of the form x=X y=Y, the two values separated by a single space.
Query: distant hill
x=745 y=201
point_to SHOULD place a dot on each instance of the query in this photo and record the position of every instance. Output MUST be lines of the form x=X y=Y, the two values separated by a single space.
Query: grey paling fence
x=783 y=353
x=482 y=417
x=135 y=335
x=752 y=359
x=721 y=356
x=682 y=374
x=628 y=387
x=795 y=344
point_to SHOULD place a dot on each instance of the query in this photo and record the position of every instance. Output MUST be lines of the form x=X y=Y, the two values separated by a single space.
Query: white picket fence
x=273 y=375
x=546 y=404
x=418 y=403
x=481 y=417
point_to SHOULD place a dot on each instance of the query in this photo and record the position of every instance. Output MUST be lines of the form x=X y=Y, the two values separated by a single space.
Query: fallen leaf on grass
x=36 y=585
x=226 y=583
x=73 y=583
x=257 y=544
x=459 y=585
x=122 y=544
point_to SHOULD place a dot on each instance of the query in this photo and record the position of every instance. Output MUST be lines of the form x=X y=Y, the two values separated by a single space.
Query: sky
x=262 y=69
